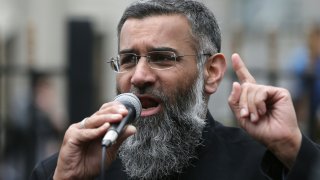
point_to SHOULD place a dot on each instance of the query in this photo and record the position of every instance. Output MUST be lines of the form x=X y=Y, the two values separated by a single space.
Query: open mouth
x=150 y=105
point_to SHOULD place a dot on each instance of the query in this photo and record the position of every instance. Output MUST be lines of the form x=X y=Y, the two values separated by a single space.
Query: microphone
x=133 y=105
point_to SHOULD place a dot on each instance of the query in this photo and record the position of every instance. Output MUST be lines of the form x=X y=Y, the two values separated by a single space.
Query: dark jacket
x=228 y=154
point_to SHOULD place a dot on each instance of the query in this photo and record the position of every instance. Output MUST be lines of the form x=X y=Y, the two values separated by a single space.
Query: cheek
x=179 y=83
x=123 y=83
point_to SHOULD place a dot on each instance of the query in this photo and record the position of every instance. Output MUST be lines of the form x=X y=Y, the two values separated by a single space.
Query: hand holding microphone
x=133 y=105
x=81 y=145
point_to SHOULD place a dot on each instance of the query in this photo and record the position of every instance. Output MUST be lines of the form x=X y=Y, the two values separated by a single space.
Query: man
x=169 y=56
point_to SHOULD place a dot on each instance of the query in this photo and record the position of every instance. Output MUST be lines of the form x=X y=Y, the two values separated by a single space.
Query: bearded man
x=169 y=57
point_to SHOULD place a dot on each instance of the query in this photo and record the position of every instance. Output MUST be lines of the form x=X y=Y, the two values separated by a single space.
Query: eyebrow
x=163 y=49
x=127 y=51
x=149 y=50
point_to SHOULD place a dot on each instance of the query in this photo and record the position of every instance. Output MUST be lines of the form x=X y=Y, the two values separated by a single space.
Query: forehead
x=161 y=30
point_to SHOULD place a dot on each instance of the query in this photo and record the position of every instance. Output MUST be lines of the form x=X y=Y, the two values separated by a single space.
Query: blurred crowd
x=34 y=129
x=306 y=89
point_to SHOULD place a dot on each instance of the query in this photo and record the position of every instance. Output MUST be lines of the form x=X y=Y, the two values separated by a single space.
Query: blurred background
x=53 y=69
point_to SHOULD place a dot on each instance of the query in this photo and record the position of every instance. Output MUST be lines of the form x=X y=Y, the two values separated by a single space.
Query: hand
x=266 y=113
x=80 y=153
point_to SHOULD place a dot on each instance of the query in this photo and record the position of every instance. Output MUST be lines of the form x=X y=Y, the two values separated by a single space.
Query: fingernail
x=113 y=116
x=243 y=112
x=107 y=125
x=253 y=117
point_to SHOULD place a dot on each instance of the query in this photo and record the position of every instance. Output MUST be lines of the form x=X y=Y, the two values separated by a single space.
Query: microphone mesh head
x=133 y=100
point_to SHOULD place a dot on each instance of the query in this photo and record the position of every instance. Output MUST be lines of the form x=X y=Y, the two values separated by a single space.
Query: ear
x=214 y=70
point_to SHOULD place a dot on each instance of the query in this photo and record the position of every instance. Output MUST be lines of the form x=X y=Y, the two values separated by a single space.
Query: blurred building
x=53 y=70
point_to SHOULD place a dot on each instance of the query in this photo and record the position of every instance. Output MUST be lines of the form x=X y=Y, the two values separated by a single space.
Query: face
x=157 y=33
x=172 y=99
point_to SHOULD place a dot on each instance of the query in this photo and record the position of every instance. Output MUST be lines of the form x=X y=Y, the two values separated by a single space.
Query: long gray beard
x=165 y=143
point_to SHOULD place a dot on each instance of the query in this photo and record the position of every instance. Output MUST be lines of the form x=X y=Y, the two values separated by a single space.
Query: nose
x=143 y=75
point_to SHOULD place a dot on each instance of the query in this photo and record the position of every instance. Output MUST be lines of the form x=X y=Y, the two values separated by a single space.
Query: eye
x=161 y=57
x=128 y=59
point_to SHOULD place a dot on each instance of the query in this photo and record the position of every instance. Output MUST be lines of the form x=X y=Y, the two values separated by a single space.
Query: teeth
x=147 y=108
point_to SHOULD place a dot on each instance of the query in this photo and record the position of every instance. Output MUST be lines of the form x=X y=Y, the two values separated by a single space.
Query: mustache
x=158 y=94
x=147 y=90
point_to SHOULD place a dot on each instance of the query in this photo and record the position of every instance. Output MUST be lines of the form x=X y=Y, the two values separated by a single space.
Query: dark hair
x=204 y=28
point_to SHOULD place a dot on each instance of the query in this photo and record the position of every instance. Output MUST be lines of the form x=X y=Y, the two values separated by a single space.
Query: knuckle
x=258 y=101
x=107 y=104
x=72 y=127
x=246 y=85
x=285 y=91
x=68 y=134
x=104 y=106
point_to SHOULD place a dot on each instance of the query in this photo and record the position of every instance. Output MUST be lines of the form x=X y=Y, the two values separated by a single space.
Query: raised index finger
x=241 y=70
